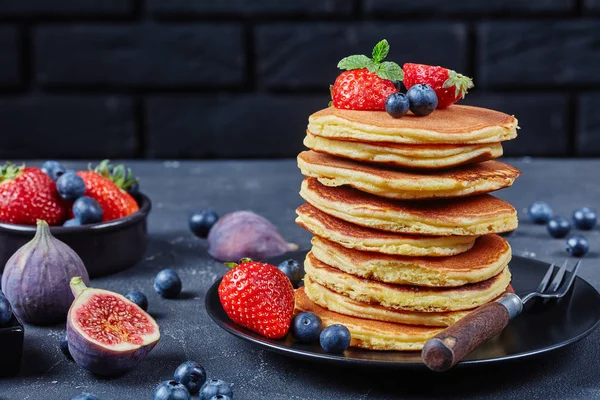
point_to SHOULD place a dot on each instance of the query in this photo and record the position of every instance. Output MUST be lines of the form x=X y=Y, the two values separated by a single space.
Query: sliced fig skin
x=245 y=234
x=99 y=358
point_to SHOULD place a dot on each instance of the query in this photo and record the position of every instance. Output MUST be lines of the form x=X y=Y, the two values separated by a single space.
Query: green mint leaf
x=371 y=66
x=381 y=51
x=390 y=70
x=330 y=103
x=354 y=62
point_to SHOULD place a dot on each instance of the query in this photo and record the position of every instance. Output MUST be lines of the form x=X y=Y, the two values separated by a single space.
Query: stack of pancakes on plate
x=405 y=233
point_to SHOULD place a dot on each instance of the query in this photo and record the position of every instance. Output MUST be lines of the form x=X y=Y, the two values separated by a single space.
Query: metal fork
x=452 y=344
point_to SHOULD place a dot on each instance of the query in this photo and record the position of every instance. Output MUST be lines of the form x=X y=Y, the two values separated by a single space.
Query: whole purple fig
x=36 y=278
x=245 y=234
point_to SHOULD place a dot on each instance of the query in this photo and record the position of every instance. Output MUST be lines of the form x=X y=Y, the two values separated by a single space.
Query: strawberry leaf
x=461 y=83
x=390 y=70
x=355 y=62
x=381 y=51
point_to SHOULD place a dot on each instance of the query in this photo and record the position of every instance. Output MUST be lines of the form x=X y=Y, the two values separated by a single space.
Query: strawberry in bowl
x=98 y=212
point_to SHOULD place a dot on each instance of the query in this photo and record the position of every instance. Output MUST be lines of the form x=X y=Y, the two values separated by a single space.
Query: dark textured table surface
x=270 y=189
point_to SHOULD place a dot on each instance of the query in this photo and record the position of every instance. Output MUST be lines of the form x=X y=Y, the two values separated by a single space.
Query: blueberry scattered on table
x=191 y=375
x=72 y=222
x=215 y=387
x=539 y=212
x=64 y=346
x=293 y=270
x=87 y=210
x=85 y=396
x=171 y=390
x=221 y=397
x=397 y=105
x=5 y=311
x=167 y=283
x=584 y=218
x=70 y=186
x=335 y=339
x=139 y=298
x=307 y=327
x=558 y=227
x=53 y=169
x=423 y=99
x=201 y=221
x=577 y=246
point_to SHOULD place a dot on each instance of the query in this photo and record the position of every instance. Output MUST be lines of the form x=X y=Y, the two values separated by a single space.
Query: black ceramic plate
x=542 y=328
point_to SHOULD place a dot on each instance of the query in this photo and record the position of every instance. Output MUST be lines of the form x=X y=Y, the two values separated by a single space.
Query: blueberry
x=577 y=246
x=64 y=346
x=423 y=100
x=306 y=327
x=171 y=390
x=139 y=298
x=539 y=212
x=400 y=86
x=72 y=222
x=53 y=169
x=397 y=105
x=85 y=396
x=167 y=283
x=335 y=339
x=293 y=270
x=134 y=188
x=70 y=186
x=201 y=222
x=5 y=311
x=558 y=227
x=192 y=375
x=215 y=387
x=584 y=218
x=221 y=397
x=87 y=210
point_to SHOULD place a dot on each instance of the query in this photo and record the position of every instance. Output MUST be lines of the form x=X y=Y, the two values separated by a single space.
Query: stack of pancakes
x=405 y=235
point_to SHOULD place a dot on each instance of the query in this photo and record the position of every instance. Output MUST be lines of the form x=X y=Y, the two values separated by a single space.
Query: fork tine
x=542 y=286
x=567 y=286
x=558 y=278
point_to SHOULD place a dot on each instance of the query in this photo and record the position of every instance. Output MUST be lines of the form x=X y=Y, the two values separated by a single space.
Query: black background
x=238 y=78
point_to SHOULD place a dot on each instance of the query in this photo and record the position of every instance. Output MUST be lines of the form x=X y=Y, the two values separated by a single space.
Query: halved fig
x=107 y=333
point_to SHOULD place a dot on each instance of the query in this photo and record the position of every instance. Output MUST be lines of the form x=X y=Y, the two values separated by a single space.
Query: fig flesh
x=245 y=234
x=107 y=333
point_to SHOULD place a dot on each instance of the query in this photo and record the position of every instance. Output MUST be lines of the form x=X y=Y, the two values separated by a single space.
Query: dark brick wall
x=238 y=78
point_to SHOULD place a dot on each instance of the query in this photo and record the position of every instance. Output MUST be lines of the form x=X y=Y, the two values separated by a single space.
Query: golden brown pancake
x=398 y=184
x=367 y=239
x=490 y=255
x=341 y=304
x=370 y=334
x=423 y=156
x=470 y=216
x=455 y=124
x=411 y=298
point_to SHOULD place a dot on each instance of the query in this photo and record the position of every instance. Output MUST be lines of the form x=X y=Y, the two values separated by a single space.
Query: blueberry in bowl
x=106 y=244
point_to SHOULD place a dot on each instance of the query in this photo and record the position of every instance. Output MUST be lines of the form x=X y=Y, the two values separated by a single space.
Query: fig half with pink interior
x=107 y=333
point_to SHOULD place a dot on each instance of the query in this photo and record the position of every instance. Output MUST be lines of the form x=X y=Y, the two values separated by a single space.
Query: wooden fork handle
x=452 y=344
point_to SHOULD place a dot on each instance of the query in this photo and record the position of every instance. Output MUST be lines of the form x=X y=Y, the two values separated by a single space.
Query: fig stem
x=292 y=246
x=42 y=228
x=77 y=285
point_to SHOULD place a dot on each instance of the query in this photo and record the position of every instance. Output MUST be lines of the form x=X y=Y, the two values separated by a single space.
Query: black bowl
x=11 y=346
x=105 y=248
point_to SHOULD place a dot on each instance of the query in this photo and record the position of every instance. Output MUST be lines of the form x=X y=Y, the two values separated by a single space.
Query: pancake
x=470 y=216
x=370 y=334
x=366 y=239
x=397 y=184
x=410 y=298
x=426 y=156
x=341 y=304
x=490 y=255
x=453 y=125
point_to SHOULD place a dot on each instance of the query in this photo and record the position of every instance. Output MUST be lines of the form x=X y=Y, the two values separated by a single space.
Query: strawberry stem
x=232 y=264
x=10 y=171
x=118 y=174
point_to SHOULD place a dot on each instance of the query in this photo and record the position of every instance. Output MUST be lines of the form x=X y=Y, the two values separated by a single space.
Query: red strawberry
x=360 y=89
x=28 y=194
x=448 y=85
x=259 y=297
x=367 y=82
x=106 y=185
